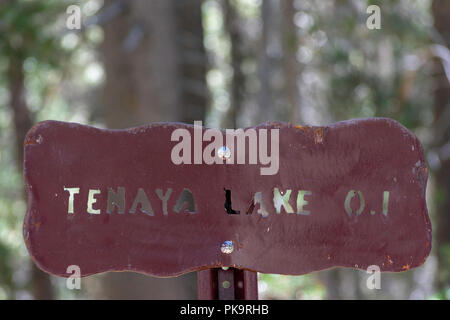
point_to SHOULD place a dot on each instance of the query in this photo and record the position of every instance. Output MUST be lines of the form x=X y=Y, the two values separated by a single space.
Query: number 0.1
x=362 y=203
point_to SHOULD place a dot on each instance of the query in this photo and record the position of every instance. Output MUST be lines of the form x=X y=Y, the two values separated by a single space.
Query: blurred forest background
x=230 y=63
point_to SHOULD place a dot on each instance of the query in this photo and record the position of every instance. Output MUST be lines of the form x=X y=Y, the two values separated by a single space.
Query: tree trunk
x=192 y=61
x=290 y=64
x=441 y=13
x=40 y=281
x=232 y=24
x=155 y=66
x=266 y=61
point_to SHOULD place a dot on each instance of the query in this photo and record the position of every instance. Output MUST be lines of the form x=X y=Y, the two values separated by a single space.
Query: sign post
x=228 y=284
x=171 y=198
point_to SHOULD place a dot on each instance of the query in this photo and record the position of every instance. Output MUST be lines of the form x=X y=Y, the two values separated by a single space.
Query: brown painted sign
x=170 y=198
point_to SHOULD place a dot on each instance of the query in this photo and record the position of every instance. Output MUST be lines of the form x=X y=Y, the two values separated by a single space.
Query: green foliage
x=366 y=68
x=305 y=287
x=30 y=36
x=27 y=30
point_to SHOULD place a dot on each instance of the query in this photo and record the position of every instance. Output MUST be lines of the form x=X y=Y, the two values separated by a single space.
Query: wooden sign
x=170 y=198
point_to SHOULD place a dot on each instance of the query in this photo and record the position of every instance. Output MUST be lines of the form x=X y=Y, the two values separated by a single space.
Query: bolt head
x=227 y=247
x=224 y=153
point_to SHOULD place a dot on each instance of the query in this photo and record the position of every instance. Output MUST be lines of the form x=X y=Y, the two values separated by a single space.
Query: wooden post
x=227 y=284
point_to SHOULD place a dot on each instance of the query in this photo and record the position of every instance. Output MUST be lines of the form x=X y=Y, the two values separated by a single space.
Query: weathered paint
x=369 y=156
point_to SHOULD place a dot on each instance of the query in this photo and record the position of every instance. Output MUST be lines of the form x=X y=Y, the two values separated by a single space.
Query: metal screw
x=227 y=247
x=224 y=153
